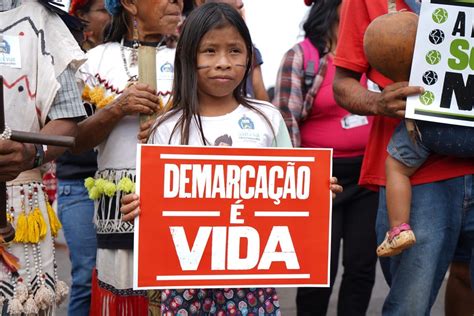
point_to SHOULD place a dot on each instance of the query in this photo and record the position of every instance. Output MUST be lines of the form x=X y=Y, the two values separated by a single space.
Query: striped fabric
x=290 y=98
x=68 y=101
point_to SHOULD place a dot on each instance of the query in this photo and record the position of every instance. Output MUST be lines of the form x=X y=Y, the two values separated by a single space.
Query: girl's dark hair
x=207 y=17
x=319 y=27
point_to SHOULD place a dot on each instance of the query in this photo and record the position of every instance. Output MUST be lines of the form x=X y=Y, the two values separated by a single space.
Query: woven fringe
x=105 y=209
x=105 y=303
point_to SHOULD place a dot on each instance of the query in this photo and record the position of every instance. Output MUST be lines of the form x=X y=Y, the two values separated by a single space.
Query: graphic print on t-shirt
x=223 y=140
x=247 y=132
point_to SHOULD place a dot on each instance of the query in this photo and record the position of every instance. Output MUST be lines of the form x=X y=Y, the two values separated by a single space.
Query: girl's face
x=221 y=62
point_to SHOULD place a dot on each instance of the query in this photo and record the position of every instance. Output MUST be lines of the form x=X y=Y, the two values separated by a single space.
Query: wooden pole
x=147 y=74
x=147 y=71
x=37 y=138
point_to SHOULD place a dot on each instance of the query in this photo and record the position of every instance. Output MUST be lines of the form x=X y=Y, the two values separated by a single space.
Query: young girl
x=213 y=58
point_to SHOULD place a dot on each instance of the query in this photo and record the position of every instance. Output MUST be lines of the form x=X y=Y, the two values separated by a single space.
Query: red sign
x=232 y=217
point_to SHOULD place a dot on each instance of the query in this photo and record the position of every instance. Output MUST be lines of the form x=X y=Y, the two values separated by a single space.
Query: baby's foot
x=396 y=240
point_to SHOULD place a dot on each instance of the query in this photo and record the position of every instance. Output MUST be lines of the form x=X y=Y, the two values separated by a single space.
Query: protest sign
x=443 y=63
x=232 y=217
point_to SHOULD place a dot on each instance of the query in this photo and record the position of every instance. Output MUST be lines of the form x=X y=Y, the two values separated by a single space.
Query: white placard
x=443 y=63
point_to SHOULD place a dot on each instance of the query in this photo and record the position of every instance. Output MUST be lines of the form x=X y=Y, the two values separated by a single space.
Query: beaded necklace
x=133 y=56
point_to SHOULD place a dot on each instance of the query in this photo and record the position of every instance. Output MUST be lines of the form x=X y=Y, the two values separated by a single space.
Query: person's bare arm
x=63 y=127
x=258 y=85
x=136 y=99
x=355 y=98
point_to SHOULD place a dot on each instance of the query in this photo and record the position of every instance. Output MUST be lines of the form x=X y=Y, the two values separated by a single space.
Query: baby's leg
x=398 y=191
x=398 y=194
x=405 y=156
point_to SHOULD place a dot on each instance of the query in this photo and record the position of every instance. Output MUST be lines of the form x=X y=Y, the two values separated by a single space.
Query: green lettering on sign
x=457 y=50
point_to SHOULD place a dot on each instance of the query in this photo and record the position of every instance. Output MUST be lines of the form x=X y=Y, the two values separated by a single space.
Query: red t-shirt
x=356 y=15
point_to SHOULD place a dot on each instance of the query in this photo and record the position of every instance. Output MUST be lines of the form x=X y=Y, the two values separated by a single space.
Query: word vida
x=226 y=241
x=237 y=182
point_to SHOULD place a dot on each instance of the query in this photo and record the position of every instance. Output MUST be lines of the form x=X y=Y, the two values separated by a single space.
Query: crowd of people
x=208 y=71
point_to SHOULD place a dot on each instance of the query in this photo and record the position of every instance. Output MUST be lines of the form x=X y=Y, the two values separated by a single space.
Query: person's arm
x=258 y=85
x=289 y=93
x=17 y=157
x=136 y=99
x=355 y=98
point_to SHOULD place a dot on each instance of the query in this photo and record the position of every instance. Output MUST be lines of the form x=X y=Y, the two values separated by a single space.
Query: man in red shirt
x=442 y=200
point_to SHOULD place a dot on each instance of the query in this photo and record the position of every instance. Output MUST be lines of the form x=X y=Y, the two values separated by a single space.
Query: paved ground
x=287 y=298
x=287 y=295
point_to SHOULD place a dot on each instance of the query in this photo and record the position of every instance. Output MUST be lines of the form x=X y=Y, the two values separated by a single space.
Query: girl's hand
x=335 y=188
x=130 y=207
x=138 y=98
x=145 y=130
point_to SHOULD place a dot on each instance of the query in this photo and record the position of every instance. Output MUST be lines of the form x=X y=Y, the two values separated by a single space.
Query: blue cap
x=113 y=6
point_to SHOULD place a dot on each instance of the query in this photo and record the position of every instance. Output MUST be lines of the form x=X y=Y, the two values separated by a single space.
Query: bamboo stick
x=147 y=75
x=147 y=71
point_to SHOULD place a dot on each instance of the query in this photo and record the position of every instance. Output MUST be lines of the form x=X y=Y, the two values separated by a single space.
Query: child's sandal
x=396 y=240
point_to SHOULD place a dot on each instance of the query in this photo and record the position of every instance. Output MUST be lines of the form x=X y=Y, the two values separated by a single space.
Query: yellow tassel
x=54 y=222
x=96 y=95
x=41 y=223
x=105 y=101
x=21 y=229
x=9 y=217
x=33 y=229
x=86 y=93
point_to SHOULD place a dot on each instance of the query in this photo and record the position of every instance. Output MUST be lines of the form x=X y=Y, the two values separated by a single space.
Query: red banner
x=232 y=217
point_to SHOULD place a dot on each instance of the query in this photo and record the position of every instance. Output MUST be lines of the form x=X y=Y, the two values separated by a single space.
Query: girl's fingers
x=127 y=208
x=334 y=187
x=131 y=216
x=129 y=198
x=143 y=136
x=130 y=207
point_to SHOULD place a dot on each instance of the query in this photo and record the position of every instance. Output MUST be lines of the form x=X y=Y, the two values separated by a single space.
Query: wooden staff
x=147 y=75
x=6 y=229
x=147 y=71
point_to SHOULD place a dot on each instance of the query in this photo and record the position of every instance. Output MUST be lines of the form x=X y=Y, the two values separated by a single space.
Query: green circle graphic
x=433 y=57
x=427 y=98
x=440 y=15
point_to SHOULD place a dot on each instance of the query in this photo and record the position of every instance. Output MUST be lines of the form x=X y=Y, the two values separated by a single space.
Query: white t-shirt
x=242 y=127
